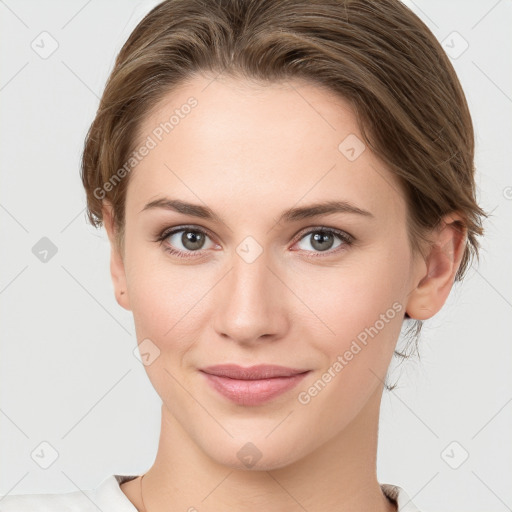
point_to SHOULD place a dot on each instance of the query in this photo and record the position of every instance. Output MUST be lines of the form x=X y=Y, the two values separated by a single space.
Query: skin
x=250 y=152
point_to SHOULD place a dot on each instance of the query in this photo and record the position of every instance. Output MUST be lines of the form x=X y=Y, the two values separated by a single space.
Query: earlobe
x=438 y=269
x=117 y=270
x=123 y=299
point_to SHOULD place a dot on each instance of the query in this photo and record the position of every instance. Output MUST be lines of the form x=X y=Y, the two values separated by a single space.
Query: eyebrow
x=291 y=215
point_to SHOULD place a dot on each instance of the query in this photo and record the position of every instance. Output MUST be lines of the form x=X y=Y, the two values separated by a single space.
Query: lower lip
x=252 y=392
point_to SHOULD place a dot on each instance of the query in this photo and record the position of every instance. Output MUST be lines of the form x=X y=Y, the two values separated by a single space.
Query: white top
x=108 y=497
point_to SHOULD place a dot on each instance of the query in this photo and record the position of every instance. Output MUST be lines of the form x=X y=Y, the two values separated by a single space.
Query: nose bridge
x=249 y=304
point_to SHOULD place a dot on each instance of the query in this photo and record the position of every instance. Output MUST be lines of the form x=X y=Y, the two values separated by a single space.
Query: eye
x=323 y=240
x=184 y=241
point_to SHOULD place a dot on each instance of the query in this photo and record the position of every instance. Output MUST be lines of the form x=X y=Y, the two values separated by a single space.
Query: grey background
x=69 y=376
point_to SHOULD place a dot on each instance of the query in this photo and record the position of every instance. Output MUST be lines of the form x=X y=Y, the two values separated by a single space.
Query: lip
x=260 y=371
x=252 y=385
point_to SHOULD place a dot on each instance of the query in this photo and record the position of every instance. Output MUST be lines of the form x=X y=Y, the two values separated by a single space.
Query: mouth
x=252 y=385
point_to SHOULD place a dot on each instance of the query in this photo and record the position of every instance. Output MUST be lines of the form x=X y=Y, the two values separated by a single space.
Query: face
x=252 y=274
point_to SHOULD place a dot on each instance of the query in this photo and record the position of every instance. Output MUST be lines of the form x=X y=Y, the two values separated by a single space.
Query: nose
x=251 y=302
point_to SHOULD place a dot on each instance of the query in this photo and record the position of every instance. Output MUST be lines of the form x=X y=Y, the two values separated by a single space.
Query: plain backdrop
x=71 y=387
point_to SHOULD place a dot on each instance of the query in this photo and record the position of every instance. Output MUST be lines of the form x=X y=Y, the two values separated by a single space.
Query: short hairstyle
x=376 y=54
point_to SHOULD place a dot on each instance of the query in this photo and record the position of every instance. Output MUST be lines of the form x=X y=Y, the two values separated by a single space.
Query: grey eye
x=321 y=240
x=190 y=239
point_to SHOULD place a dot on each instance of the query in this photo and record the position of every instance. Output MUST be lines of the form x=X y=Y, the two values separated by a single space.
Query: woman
x=285 y=185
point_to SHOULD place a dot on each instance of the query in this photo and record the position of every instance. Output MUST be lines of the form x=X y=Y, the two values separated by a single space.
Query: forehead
x=219 y=139
x=234 y=108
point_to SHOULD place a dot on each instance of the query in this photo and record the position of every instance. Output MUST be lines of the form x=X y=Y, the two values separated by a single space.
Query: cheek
x=167 y=300
x=363 y=307
x=352 y=297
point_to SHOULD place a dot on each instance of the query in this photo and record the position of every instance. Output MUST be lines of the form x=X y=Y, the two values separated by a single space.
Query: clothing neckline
x=394 y=492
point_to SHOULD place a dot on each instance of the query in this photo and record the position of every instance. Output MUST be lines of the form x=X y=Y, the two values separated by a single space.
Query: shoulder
x=63 y=502
x=107 y=496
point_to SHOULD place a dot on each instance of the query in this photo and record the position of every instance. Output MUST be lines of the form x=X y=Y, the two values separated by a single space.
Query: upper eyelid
x=312 y=229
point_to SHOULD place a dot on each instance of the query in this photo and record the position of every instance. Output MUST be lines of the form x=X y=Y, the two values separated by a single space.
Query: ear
x=117 y=270
x=441 y=262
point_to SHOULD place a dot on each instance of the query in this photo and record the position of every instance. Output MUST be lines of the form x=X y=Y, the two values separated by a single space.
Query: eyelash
x=347 y=240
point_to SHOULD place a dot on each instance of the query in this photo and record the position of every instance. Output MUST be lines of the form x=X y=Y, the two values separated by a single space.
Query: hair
x=376 y=54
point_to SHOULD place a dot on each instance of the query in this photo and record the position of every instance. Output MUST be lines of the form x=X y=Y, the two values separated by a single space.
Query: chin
x=258 y=455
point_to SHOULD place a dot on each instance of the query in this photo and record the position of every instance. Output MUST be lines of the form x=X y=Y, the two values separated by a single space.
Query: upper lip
x=261 y=371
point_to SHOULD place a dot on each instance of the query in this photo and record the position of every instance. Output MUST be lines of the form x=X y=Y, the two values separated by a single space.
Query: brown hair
x=377 y=54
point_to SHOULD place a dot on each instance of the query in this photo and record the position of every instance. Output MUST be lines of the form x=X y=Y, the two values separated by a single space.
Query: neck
x=339 y=475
